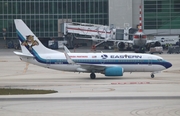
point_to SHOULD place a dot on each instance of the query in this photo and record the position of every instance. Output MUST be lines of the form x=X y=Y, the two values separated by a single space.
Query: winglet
x=69 y=60
x=66 y=49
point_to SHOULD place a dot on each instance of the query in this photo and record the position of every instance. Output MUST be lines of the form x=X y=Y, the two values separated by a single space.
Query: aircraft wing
x=93 y=38
x=106 y=39
x=151 y=41
x=84 y=67
x=125 y=41
x=92 y=67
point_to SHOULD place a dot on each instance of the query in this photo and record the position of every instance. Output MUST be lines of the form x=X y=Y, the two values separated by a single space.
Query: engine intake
x=121 y=45
x=157 y=43
x=114 y=71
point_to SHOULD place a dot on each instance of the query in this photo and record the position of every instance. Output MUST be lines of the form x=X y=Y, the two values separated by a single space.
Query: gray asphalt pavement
x=133 y=94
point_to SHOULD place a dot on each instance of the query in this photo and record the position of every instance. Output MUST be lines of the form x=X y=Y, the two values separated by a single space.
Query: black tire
x=92 y=76
x=152 y=75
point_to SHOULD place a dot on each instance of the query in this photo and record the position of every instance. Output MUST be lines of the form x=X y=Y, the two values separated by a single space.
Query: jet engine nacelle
x=114 y=71
x=157 y=43
x=154 y=44
x=121 y=45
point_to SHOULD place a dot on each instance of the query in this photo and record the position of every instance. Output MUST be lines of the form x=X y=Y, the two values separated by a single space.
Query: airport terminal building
x=42 y=16
x=157 y=15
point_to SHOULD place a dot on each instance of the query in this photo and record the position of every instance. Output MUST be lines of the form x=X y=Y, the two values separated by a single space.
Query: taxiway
x=131 y=95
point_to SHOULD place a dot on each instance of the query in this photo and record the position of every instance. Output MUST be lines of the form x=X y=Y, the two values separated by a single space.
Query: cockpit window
x=159 y=60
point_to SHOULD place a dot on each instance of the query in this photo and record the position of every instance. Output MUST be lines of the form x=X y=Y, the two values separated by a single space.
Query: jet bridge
x=94 y=32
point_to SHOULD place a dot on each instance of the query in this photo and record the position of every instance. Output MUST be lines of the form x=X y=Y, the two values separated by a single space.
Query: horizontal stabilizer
x=26 y=55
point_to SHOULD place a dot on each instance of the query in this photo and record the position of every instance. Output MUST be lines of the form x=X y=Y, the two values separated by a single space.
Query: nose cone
x=168 y=65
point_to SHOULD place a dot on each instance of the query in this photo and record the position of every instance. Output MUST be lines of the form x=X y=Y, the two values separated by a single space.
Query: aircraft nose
x=167 y=65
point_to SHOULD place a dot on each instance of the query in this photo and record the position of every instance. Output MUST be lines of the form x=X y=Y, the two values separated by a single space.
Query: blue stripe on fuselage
x=90 y=61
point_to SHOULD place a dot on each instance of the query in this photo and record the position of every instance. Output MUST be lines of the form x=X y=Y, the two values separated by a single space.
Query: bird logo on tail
x=30 y=42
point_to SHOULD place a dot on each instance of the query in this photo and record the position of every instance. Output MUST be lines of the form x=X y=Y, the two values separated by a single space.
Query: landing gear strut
x=152 y=75
x=92 y=76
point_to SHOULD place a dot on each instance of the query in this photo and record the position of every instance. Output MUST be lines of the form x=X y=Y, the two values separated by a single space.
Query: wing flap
x=92 y=67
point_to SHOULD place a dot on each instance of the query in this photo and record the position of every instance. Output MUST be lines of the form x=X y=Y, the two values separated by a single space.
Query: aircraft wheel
x=92 y=76
x=152 y=75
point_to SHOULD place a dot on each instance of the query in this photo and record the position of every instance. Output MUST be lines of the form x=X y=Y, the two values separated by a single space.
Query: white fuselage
x=109 y=64
x=130 y=62
x=139 y=39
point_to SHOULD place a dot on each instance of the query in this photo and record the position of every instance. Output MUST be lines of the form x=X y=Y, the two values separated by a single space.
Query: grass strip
x=11 y=91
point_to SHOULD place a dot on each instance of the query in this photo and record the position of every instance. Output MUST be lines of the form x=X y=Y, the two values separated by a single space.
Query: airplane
x=140 y=41
x=109 y=64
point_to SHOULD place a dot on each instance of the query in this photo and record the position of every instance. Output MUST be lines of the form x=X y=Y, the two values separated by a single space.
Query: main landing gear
x=92 y=76
x=152 y=75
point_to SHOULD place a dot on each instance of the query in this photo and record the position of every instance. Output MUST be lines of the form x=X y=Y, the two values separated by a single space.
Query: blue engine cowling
x=114 y=71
